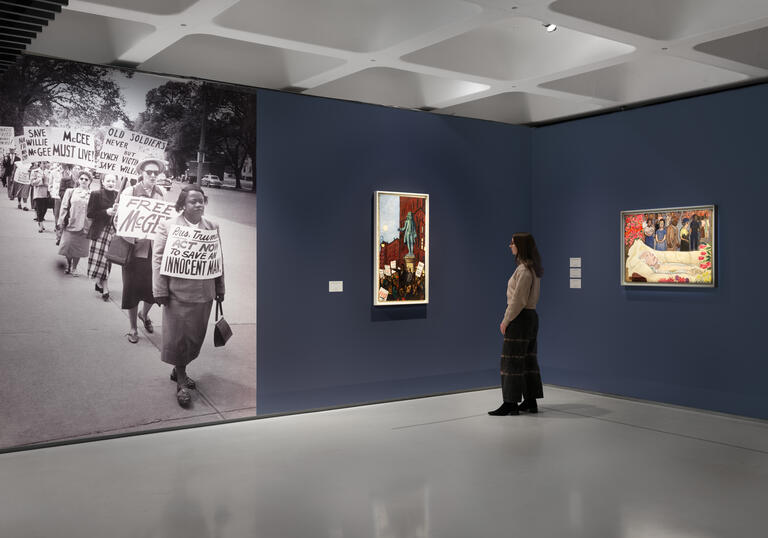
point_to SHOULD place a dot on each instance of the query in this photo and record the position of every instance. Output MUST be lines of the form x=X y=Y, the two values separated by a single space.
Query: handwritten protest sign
x=21 y=176
x=192 y=253
x=139 y=217
x=6 y=139
x=21 y=147
x=69 y=145
x=122 y=150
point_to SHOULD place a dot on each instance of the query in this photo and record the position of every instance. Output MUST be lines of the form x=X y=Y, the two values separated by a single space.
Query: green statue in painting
x=409 y=233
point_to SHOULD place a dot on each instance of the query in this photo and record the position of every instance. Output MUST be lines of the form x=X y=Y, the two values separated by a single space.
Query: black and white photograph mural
x=127 y=224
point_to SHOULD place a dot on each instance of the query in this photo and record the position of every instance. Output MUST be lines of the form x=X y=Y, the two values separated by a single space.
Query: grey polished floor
x=586 y=466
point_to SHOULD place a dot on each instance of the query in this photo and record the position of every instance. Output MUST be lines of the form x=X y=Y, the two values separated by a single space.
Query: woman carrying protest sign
x=137 y=272
x=75 y=223
x=39 y=179
x=187 y=302
x=100 y=211
x=67 y=181
x=21 y=184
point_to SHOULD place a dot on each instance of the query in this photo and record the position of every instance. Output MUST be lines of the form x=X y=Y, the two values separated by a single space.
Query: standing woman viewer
x=101 y=210
x=187 y=302
x=137 y=272
x=520 y=376
x=74 y=238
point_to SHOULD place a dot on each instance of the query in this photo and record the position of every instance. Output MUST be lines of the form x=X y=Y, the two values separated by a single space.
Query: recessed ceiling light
x=550 y=27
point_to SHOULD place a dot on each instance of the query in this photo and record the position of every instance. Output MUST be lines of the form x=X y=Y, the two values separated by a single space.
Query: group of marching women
x=85 y=227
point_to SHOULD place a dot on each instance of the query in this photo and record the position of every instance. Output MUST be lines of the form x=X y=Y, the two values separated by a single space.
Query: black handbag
x=221 y=331
x=119 y=251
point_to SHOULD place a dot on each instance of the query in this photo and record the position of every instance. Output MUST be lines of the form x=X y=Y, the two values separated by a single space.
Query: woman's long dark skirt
x=184 y=328
x=137 y=282
x=520 y=376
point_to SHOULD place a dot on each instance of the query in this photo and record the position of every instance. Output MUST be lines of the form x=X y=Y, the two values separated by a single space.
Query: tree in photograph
x=173 y=114
x=232 y=127
x=35 y=90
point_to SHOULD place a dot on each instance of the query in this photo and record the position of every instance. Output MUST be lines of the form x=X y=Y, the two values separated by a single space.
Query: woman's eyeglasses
x=152 y=172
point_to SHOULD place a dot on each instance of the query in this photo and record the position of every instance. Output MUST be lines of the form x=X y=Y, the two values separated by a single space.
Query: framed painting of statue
x=400 y=248
x=674 y=247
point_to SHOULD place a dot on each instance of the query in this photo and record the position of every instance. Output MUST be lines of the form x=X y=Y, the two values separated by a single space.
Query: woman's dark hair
x=527 y=253
x=85 y=173
x=185 y=192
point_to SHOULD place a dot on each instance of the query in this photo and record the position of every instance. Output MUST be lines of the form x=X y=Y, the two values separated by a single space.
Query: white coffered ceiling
x=488 y=59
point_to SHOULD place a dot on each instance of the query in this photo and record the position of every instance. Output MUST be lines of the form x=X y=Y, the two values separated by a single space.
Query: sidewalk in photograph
x=67 y=370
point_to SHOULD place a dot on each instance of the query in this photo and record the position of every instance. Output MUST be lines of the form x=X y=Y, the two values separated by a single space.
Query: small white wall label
x=335 y=286
x=575 y=262
x=575 y=272
x=576 y=283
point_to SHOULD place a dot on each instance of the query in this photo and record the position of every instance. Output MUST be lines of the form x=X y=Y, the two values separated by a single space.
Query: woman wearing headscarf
x=75 y=223
x=520 y=375
x=187 y=302
x=100 y=211
x=137 y=272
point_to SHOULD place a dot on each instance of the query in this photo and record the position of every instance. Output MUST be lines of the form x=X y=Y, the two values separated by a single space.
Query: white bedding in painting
x=671 y=263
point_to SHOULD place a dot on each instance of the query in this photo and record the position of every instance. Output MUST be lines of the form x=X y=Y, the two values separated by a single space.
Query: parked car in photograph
x=210 y=180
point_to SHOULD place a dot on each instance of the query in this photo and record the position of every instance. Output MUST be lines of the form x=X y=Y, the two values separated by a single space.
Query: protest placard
x=139 y=217
x=192 y=253
x=21 y=176
x=21 y=148
x=6 y=139
x=383 y=294
x=122 y=150
x=68 y=145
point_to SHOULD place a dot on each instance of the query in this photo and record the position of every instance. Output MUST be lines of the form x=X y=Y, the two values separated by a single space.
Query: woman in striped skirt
x=101 y=208
x=520 y=376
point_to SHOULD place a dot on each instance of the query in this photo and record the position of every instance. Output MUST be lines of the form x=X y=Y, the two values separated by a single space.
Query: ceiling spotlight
x=550 y=27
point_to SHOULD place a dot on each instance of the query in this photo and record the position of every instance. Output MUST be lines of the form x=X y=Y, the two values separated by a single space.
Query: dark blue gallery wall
x=703 y=348
x=319 y=162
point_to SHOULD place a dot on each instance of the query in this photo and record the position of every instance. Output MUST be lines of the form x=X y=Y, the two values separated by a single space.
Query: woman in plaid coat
x=101 y=208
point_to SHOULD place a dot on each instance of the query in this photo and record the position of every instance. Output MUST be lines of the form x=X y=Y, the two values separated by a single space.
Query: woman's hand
x=502 y=328
x=110 y=211
x=162 y=301
x=220 y=298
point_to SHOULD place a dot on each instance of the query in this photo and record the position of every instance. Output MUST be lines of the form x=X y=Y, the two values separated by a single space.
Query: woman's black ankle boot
x=507 y=408
x=530 y=406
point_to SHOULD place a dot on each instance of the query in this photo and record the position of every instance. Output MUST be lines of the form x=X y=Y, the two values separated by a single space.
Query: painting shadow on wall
x=400 y=313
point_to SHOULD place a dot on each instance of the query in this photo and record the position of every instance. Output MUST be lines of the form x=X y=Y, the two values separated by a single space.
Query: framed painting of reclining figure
x=674 y=246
